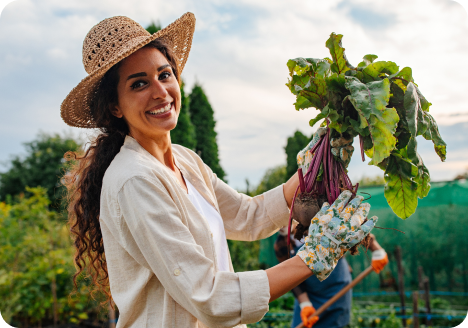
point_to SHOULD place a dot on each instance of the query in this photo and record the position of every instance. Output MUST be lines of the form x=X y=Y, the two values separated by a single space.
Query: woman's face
x=148 y=94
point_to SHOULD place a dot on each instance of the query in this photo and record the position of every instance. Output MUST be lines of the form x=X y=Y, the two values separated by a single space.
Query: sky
x=239 y=54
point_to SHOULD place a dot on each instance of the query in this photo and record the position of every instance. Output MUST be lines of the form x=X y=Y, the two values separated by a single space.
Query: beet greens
x=377 y=102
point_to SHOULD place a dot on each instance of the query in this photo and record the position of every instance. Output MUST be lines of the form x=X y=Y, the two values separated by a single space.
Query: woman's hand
x=289 y=189
x=333 y=231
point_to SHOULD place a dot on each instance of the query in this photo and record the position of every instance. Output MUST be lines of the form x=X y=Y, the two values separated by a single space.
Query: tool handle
x=332 y=300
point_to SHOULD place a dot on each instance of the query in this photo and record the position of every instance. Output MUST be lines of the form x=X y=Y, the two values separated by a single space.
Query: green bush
x=36 y=257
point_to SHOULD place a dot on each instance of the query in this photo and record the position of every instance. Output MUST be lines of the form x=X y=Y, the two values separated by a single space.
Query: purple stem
x=313 y=177
x=301 y=180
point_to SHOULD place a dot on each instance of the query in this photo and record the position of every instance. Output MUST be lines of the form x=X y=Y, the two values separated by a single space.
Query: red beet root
x=304 y=209
x=314 y=190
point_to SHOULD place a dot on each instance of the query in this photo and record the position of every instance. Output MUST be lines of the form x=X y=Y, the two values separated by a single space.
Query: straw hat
x=109 y=42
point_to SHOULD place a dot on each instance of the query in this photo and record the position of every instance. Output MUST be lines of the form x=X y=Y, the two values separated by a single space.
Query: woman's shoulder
x=185 y=152
x=186 y=155
x=129 y=164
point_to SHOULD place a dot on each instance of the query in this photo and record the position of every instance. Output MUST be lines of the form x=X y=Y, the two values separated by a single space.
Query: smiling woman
x=150 y=220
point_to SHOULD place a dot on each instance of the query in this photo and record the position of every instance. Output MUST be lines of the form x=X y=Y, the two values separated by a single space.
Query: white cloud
x=239 y=54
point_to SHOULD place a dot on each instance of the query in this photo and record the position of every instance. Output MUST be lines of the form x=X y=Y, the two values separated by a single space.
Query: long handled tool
x=332 y=300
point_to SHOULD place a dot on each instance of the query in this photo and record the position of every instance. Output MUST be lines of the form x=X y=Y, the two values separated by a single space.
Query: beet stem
x=301 y=180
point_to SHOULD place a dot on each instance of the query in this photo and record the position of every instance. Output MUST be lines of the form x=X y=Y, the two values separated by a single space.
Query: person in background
x=311 y=294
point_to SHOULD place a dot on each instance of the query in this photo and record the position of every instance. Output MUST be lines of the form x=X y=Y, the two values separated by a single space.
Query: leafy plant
x=36 y=265
x=379 y=103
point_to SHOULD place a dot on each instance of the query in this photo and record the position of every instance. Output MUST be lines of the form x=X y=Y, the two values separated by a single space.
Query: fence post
x=420 y=278
x=401 y=284
x=428 y=302
x=415 y=310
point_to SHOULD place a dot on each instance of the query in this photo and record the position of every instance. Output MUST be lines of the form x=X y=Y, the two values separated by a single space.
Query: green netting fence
x=436 y=238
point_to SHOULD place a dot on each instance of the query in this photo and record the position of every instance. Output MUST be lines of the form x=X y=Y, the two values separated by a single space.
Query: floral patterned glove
x=333 y=231
x=341 y=148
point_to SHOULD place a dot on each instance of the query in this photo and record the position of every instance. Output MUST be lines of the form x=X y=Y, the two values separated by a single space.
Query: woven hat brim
x=76 y=108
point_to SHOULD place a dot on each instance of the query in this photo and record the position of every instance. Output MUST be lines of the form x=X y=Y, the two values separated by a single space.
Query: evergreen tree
x=295 y=144
x=184 y=133
x=154 y=27
x=203 y=120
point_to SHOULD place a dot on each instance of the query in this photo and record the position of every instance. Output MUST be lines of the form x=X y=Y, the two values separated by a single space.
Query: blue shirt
x=338 y=314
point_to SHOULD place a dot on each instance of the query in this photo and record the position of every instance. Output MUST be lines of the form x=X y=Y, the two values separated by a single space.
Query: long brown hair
x=84 y=181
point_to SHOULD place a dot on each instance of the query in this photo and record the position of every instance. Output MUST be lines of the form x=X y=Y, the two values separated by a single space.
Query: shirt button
x=176 y=272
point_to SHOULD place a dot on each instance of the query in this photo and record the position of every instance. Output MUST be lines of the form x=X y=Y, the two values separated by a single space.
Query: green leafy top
x=379 y=103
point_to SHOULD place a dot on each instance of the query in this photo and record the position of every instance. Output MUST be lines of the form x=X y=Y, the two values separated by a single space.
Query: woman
x=150 y=218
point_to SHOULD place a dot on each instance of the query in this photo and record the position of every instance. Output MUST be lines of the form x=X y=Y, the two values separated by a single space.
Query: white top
x=216 y=224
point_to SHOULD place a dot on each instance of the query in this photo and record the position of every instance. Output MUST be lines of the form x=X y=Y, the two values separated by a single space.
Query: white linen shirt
x=159 y=250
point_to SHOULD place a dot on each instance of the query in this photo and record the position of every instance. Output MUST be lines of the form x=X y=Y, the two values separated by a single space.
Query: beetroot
x=304 y=209
x=324 y=180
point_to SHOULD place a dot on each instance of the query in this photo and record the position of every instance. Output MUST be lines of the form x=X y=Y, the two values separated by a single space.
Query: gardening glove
x=379 y=260
x=333 y=231
x=306 y=311
x=341 y=148
x=304 y=157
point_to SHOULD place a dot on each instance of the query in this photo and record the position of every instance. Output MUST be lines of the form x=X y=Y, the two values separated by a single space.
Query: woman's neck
x=160 y=147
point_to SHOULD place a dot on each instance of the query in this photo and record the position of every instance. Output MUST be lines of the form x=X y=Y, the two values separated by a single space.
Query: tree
x=272 y=178
x=154 y=27
x=295 y=144
x=43 y=166
x=202 y=118
x=184 y=133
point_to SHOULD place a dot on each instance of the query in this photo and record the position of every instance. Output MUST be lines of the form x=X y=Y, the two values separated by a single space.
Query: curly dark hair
x=84 y=181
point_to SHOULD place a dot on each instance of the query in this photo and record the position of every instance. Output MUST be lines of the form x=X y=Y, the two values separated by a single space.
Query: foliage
x=272 y=178
x=203 y=120
x=184 y=133
x=35 y=257
x=371 y=181
x=374 y=315
x=294 y=145
x=380 y=103
x=154 y=27
x=244 y=255
x=42 y=166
